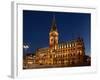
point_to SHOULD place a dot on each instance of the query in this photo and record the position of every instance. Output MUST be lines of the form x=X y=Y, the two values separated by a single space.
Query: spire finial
x=54 y=27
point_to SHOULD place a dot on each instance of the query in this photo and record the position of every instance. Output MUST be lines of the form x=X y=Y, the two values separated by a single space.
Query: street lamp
x=25 y=48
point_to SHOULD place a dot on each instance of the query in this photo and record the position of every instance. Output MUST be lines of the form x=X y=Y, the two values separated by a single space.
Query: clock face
x=54 y=34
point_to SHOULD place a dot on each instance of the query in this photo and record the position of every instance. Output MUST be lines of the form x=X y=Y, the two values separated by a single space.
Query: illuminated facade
x=66 y=54
x=60 y=54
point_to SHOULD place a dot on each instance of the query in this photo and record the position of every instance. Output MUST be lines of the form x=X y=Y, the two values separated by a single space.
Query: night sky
x=37 y=25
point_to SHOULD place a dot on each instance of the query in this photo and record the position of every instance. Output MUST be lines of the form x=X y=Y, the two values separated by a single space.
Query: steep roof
x=53 y=26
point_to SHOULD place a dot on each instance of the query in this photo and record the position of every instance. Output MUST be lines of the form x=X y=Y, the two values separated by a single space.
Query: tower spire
x=53 y=35
x=53 y=26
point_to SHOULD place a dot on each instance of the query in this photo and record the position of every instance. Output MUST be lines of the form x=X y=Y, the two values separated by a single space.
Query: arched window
x=70 y=45
x=62 y=46
x=67 y=45
x=80 y=52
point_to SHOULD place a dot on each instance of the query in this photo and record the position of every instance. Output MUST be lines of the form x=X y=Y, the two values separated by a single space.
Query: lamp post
x=25 y=48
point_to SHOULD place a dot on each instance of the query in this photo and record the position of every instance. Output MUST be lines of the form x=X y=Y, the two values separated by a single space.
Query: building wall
x=66 y=54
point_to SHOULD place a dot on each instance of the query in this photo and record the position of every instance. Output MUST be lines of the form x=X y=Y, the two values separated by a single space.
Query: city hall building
x=65 y=54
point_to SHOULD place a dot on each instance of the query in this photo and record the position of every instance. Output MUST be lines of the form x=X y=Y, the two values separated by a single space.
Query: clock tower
x=53 y=35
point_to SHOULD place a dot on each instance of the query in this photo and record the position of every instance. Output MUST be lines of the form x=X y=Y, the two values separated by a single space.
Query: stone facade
x=60 y=54
x=65 y=54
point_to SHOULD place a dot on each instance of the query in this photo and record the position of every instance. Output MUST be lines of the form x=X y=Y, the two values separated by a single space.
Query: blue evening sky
x=37 y=25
